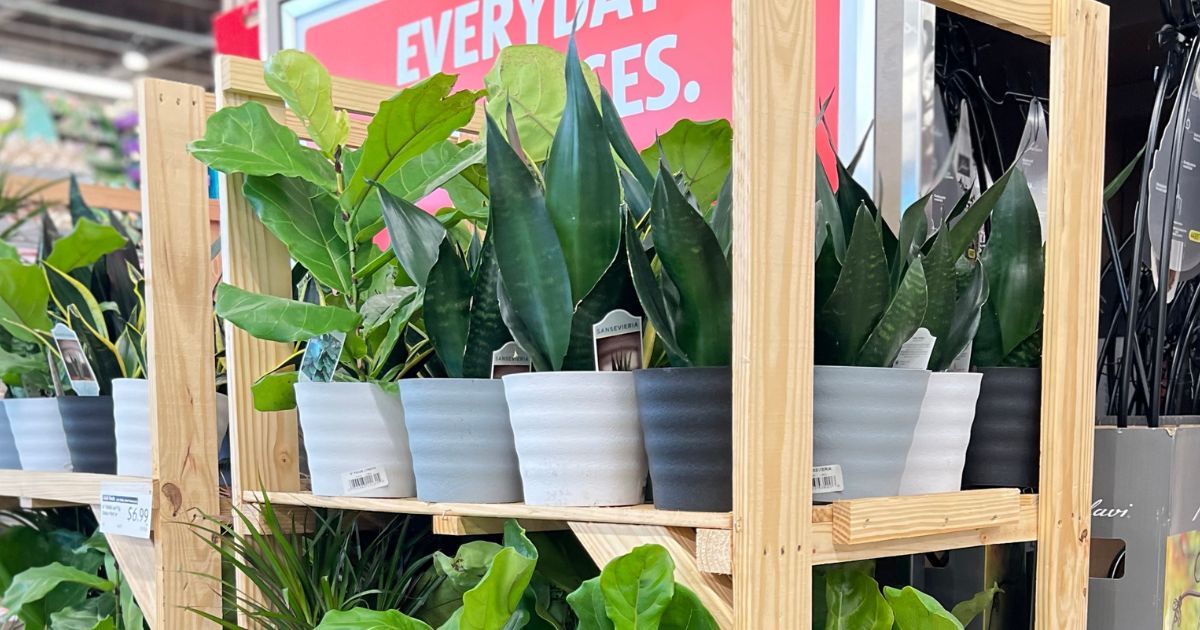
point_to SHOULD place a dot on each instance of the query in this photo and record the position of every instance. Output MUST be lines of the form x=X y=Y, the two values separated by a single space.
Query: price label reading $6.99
x=125 y=510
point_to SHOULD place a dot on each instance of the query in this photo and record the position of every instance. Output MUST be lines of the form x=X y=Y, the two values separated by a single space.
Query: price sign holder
x=126 y=509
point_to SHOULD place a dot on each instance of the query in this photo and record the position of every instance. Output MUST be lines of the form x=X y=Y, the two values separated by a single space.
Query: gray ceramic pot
x=37 y=428
x=863 y=421
x=461 y=440
x=687 y=420
x=131 y=413
x=9 y=458
x=1006 y=436
x=91 y=432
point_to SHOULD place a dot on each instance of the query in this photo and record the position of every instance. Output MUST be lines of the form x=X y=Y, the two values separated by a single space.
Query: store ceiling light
x=135 y=61
x=66 y=80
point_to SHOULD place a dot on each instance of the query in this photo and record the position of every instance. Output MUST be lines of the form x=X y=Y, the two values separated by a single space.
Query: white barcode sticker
x=364 y=479
x=828 y=479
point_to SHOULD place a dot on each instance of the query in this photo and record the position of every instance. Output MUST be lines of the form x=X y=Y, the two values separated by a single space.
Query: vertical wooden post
x=179 y=350
x=773 y=260
x=1078 y=71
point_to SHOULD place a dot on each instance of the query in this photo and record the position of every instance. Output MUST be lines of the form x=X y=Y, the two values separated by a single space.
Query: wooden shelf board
x=65 y=487
x=634 y=515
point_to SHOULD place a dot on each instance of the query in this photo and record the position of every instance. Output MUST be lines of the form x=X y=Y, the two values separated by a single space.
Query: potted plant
x=1006 y=437
x=463 y=323
x=26 y=375
x=557 y=230
x=318 y=202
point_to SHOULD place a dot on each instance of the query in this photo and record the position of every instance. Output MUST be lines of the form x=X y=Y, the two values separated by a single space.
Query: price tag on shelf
x=125 y=509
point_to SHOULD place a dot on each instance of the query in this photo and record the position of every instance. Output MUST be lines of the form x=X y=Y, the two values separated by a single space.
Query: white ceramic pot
x=38 y=431
x=10 y=459
x=355 y=439
x=461 y=440
x=939 y=447
x=578 y=437
x=863 y=421
x=131 y=413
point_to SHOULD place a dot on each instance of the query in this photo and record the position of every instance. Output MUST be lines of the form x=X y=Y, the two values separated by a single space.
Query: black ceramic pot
x=687 y=421
x=91 y=432
x=1006 y=435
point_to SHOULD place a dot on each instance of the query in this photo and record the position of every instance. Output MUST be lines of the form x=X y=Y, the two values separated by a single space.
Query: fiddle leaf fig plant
x=320 y=203
x=851 y=599
x=638 y=590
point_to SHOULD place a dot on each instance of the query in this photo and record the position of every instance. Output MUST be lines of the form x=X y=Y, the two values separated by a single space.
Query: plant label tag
x=79 y=369
x=364 y=479
x=962 y=362
x=915 y=352
x=321 y=356
x=125 y=509
x=510 y=359
x=827 y=479
x=617 y=342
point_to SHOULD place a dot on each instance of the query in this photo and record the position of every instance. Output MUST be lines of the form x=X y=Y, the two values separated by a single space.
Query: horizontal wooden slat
x=451 y=525
x=634 y=515
x=68 y=487
x=1028 y=18
x=891 y=518
x=96 y=196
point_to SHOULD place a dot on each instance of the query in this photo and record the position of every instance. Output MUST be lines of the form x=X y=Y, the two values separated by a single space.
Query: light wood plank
x=59 y=192
x=634 y=515
x=1028 y=18
x=135 y=557
x=73 y=488
x=773 y=259
x=452 y=525
x=605 y=541
x=179 y=347
x=891 y=518
x=714 y=551
x=1078 y=69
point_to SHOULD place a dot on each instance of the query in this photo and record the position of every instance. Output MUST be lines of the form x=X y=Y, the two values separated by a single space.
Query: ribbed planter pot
x=131 y=414
x=864 y=420
x=578 y=438
x=687 y=422
x=37 y=428
x=1006 y=436
x=351 y=427
x=88 y=422
x=461 y=440
x=10 y=459
x=939 y=446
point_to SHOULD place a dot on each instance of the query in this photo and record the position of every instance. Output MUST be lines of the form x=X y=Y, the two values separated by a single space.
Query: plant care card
x=321 y=356
x=510 y=359
x=915 y=352
x=617 y=341
x=79 y=369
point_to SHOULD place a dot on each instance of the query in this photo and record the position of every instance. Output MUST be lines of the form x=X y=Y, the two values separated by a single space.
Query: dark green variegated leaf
x=79 y=208
x=859 y=298
x=406 y=125
x=1028 y=352
x=275 y=391
x=86 y=244
x=721 y=219
x=613 y=291
x=305 y=218
x=636 y=198
x=901 y=319
x=415 y=236
x=986 y=349
x=280 y=319
x=914 y=229
x=851 y=196
x=694 y=260
x=487 y=331
x=583 y=194
x=304 y=84
x=623 y=146
x=651 y=295
x=829 y=215
x=827 y=271
x=448 y=308
x=940 y=278
x=66 y=292
x=701 y=151
x=102 y=354
x=964 y=322
x=246 y=139
x=1016 y=263
x=530 y=259
x=915 y=610
x=853 y=602
x=517 y=328
x=638 y=587
x=1007 y=191
x=24 y=295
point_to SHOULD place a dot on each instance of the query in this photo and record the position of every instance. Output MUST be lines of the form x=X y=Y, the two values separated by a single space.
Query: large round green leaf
x=638 y=587
x=280 y=319
x=246 y=139
x=701 y=151
x=24 y=296
x=304 y=84
x=305 y=218
x=915 y=610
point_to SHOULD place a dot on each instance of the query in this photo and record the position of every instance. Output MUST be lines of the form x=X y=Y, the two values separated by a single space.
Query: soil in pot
x=91 y=438
x=461 y=440
x=864 y=420
x=939 y=447
x=37 y=428
x=355 y=439
x=1006 y=436
x=687 y=422
x=578 y=438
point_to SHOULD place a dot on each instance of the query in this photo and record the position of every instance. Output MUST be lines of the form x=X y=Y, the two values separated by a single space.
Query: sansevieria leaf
x=899 y=322
x=859 y=298
x=583 y=194
x=448 y=308
x=280 y=319
x=304 y=84
x=246 y=139
x=964 y=322
x=1016 y=263
x=618 y=137
x=486 y=332
x=305 y=218
x=66 y=292
x=650 y=294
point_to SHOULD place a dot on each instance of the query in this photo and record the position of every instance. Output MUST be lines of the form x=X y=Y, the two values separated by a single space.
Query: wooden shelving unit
x=175 y=569
x=775 y=535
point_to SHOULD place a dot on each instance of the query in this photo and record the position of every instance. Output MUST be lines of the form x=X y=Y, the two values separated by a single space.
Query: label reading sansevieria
x=617 y=341
x=510 y=359
x=364 y=479
x=827 y=479
x=915 y=352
